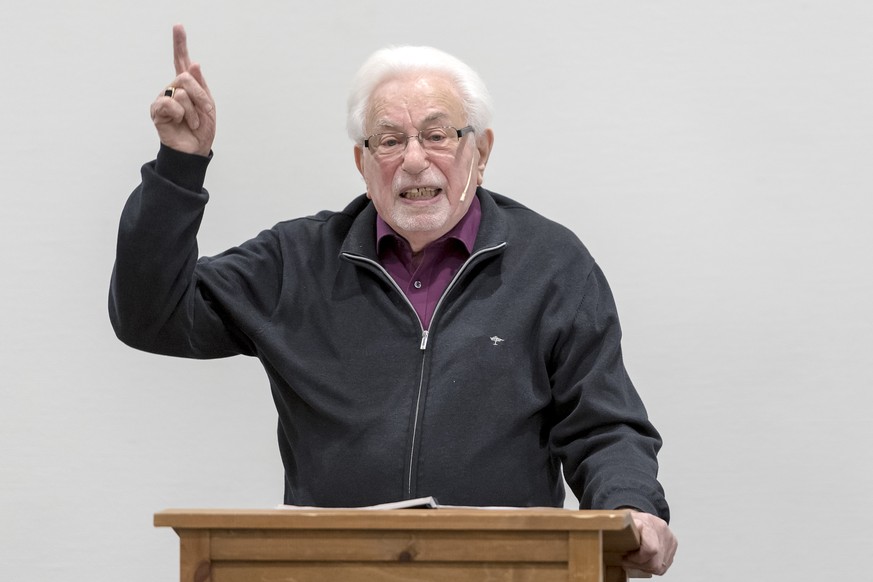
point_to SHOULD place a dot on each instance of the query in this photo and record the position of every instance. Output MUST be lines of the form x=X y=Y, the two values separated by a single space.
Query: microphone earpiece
x=469 y=176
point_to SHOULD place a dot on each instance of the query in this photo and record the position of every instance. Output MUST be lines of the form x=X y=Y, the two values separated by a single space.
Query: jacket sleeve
x=602 y=432
x=165 y=300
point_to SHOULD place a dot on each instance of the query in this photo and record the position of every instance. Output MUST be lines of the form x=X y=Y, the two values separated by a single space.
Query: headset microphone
x=469 y=176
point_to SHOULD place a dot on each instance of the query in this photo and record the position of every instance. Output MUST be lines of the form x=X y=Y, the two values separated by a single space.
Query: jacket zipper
x=424 y=337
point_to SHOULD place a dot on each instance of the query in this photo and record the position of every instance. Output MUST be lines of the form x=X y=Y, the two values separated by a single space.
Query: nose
x=415 y=158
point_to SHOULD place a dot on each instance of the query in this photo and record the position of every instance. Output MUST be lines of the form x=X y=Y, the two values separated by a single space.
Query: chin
x=421 y=222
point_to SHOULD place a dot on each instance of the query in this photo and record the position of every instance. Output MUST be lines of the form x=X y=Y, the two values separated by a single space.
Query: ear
x=359 y=159
x=359 y=163
x=484 y=143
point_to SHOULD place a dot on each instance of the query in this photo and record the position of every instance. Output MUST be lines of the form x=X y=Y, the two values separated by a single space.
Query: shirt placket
x=420 y=285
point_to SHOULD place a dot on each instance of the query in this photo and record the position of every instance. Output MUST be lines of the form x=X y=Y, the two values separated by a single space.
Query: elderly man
x=433 y=338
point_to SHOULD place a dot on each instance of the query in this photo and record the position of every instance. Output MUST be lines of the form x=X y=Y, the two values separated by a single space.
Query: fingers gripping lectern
x=421 y=545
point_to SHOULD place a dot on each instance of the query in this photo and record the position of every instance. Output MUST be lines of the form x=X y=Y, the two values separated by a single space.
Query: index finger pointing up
x=180 y=49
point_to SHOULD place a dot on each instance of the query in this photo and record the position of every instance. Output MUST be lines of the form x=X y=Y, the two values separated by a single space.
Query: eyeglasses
x=433 y=139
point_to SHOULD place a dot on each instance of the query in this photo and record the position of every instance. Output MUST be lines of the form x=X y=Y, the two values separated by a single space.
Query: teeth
x=419 y=193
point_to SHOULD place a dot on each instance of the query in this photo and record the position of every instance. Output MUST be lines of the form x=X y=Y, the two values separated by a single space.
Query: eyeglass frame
x=459 y=133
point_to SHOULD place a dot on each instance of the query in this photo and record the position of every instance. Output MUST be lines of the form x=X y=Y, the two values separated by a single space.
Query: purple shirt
x=424 y=277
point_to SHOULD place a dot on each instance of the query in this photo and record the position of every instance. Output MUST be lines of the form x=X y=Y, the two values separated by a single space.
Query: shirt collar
x=465 y=231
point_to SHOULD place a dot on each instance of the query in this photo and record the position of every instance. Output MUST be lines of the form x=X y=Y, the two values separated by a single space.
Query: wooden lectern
x=418 y=545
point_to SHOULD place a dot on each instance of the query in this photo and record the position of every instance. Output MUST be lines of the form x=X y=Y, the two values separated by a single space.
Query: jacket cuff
x=187 y=171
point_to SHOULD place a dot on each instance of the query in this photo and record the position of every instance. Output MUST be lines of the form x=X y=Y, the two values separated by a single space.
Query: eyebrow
x=392 y=127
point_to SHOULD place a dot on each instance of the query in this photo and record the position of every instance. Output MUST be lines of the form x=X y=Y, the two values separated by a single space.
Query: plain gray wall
x=715 y=158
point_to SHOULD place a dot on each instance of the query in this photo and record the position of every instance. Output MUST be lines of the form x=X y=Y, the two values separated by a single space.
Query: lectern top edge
x=542 y=519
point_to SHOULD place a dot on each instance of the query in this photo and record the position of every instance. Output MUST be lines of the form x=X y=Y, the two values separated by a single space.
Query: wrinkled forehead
x=414 y=101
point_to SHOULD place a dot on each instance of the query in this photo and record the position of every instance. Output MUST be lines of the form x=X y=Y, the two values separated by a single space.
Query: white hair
x=397 y=61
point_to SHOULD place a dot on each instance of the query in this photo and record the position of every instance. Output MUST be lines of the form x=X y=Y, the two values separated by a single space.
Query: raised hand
x=184 y=113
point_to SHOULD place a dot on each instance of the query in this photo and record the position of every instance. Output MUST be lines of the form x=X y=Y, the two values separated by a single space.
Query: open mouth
x=421 y=193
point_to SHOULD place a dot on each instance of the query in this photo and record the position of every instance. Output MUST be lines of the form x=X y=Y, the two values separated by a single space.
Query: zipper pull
x=423 y=345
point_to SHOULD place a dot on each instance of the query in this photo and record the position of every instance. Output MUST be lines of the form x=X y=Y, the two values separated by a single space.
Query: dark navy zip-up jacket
x=519 y=375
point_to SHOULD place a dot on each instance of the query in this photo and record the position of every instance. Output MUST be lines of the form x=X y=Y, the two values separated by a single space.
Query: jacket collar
x=361 y=237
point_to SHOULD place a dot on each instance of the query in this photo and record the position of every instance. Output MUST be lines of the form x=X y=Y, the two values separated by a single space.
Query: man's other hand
x=657 y=545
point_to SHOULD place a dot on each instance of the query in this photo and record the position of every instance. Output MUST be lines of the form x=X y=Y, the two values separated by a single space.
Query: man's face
x=419 y=193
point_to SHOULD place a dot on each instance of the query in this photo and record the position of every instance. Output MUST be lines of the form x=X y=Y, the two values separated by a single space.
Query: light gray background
x=714 y=156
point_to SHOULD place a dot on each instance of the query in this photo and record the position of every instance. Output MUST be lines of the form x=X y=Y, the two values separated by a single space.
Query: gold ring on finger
x=169 y=92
